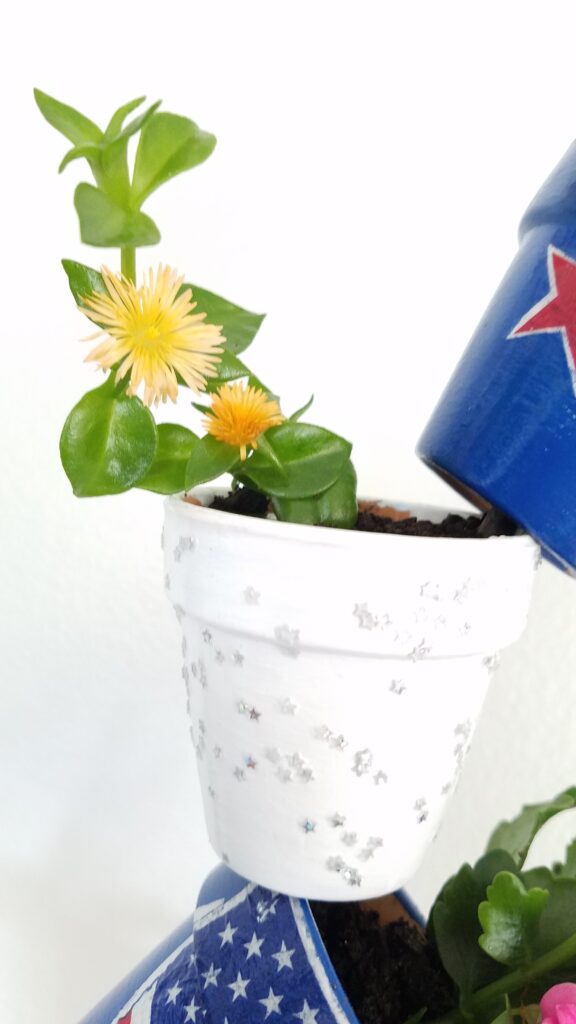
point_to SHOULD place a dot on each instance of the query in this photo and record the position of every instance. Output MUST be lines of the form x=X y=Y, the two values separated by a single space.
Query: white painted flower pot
x=334 y=681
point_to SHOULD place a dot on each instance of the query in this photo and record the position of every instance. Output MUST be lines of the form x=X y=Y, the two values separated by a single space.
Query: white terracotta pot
x=334 y=681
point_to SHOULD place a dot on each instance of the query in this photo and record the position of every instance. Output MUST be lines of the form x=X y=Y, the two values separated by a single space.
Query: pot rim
x=325 y=535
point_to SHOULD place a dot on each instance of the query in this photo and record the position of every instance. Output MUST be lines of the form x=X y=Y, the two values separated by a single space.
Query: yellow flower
x=240 y=413
x=154 y=334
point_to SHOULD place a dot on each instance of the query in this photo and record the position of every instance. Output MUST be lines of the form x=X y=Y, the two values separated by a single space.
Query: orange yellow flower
x=153 y=333
x=240 y=414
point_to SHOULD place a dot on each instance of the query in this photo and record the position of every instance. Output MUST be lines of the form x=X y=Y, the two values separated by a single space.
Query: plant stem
x=517 y=979
x=128 y=262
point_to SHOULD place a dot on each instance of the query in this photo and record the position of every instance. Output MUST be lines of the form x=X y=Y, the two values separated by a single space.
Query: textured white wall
x=373 y=161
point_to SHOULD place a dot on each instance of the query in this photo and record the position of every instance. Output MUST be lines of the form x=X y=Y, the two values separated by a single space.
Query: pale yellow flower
x=240 y=414
x=153 y=333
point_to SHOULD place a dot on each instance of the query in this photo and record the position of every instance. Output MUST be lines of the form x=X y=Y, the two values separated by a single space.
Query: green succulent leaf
x=337 y=506
x=167 y=474
x=516 y=836
x=311 y=457
x=119 y=116
x=558 y=921
x=568 y=868
x=210 y=458
x=70 y=122
x=104 y=222
x=168 y=145
x=510 y=918
x=300 y=412
x=82 y=279
x=108 y=442
x=239 y=326
x=89 y=150
x=454 y=926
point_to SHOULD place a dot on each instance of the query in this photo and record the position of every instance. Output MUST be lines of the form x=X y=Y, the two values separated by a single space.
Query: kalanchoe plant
x=163 y=335
x=506 y=935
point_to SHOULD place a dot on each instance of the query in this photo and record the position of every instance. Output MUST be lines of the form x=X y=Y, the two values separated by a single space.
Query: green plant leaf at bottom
x=108 y=442
x=510 y=917
x=167 y=474
x=210 y=458
x=337 y=506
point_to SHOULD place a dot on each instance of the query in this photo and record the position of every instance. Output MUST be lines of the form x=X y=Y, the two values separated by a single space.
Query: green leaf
x=104 y=222
x=209 y=460
x=312 y=459
x=70 y=122
x=516 y=836
x=89 y=150
x=454 y=926
x=337 y=506
x=239 y=326
x=108 y=442
x=568 y=868
x=118 y=117
x=416 y=1017
x=169 y=144
x=230 y=368
x=168 y=471
x=510 y=918
x=83 y=279
x=135 y=125
x=558 y=921
x=300 y=412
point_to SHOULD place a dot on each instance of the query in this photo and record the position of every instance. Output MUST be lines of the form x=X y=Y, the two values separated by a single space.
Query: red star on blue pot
x=556 y=312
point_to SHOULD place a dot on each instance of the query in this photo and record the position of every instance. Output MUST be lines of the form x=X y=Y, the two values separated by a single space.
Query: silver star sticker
x=227 y=935
x=255 y=715
x=238 y=658
x=239 y=987
x=272 y=1003
x=337 y=820
x=251 y=596
x=307 y=1014
x=366 y=618
x=217 y=751
x=362 y=762
x=349 y=838
x=288 y=707
x=207 y=636
x=240 y=774
x=309 y=826
x=211 y=976
x=250 y=762
x=380 y=777
x=284 y=957
x=173 y=993
x=253 y=947
x=219 y=657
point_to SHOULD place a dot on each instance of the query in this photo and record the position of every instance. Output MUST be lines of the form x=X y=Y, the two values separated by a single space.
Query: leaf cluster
x=505 y=934
x=110 y=211
x=111 y=442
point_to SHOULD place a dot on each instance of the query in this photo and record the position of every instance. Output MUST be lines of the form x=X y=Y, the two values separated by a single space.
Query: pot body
x=504 y=431
x=334 y=681
x=246 y=954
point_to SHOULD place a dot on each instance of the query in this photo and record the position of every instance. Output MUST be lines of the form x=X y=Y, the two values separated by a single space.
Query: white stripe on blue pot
x=334 y=675
x=247 y=954
x=504 y=431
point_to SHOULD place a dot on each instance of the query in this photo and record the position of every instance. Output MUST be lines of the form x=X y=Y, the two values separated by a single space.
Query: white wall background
x=352 y=136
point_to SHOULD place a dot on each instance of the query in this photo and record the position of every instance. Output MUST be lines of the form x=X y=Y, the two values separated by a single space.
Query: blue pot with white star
x=248 y=955
x=504 y=431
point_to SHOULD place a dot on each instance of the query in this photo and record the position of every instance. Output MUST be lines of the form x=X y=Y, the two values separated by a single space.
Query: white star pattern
x=239 y=987
x=211 y=976
x=191 y=1011
x=173 y=993
x=284 y=957
x=272 y=1003
x=227 y=935
x=307 y=1015
x=253 y=947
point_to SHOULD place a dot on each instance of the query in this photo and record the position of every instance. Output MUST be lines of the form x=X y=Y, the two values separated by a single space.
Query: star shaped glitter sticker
x=556 y=312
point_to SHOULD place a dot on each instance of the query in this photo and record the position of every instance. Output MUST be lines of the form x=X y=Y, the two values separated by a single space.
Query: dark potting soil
x=243 y=501
x=389 y=972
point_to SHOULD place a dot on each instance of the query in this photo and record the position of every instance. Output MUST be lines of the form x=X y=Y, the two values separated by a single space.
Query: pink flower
x=559 y=1004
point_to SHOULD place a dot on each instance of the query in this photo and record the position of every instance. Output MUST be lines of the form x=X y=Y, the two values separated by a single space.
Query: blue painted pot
x=504 y=431
x=248 y=955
